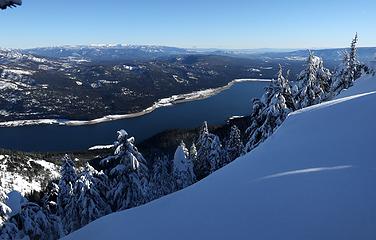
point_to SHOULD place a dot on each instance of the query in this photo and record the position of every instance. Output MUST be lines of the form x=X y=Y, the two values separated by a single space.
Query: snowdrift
x=315 y=178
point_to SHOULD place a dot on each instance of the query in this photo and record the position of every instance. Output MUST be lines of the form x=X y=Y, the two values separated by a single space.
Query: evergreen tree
x=4 y=209
x=208 y=153
x=183 y=167
x=161 y=180
x=193 y=153
x=216 y=155
x=32 y=222
x=192 y=158
x=90 y=202
x=313 y=83
x=269 y=112
x=202 y=165
x=348 y=71
x=66 y=206
x=128 y=174
x=49 y=200
x=234 y=145
x=9 y=231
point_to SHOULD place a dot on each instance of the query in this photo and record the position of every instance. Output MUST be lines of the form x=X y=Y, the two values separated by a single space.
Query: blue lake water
x=216 y=110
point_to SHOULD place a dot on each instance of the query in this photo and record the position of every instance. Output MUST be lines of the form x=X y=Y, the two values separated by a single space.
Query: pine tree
x=234 y=145
x=49 y=200
x=128 y=174
x=161 y=180
x=216 y=155
x=66 y=206
x=208 y=153
x=202 y=165
x=313 y=83
x=90 y=202
x=348 y=71
x=193 y=153
x=32 y=222
x=269 y=112
x=4 y=209
x=10 y=231
x=183 y=167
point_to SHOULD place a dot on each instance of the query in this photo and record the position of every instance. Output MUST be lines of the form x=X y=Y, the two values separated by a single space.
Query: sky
x=232 y=24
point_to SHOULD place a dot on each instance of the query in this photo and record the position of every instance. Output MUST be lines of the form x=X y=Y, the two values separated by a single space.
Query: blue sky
x=190 y=23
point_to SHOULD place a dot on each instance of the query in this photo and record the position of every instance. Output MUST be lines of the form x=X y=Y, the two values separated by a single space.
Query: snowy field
x=315 y=178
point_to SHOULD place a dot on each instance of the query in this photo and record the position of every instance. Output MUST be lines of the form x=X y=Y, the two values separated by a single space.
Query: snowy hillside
x=24 y=174
x=315 y=178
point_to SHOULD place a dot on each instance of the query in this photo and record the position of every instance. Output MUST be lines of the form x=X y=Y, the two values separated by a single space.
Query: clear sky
x=190 y=23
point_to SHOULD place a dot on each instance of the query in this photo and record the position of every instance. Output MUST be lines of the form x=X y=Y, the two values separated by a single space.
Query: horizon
x=202 y=25
x=113 y=45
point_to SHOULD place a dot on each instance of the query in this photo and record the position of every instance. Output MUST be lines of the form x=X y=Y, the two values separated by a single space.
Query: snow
x=364 y=85
x=52 y=168
x=267 y=68
x=254 y=70
x=178 y=79
x=100 y=147
x=17 y=180
x=314 y=178
x=372 y=64
x=15 y=201
x=130 y=68
x=296 y=58
x=7 y=85
x=180 y=159
x=18 y=72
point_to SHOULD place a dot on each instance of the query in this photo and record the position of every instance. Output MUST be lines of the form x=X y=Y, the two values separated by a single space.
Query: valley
x=37 y=87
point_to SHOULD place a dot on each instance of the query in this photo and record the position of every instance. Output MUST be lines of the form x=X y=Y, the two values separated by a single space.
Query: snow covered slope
x=24 y=174
x=315 y=178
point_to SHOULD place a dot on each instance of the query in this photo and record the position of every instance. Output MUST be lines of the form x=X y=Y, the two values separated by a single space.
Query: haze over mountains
x=119 y=79
x=141 y=52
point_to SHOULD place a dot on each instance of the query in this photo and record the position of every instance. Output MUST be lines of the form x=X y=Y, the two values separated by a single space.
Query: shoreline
x=164 y=102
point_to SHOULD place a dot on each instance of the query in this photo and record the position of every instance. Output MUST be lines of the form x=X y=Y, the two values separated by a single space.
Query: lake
x=216 y=109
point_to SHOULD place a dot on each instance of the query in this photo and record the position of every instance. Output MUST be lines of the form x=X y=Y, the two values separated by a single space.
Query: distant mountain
x=74 y=86
x=145 y=52
x=107 y=52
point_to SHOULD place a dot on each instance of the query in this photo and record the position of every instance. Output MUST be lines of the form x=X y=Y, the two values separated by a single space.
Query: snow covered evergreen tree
x=32 y=222
x=192 y=158
x=4 y=209
x=90 y=202
x=348 y=71
x=161 y=180
x=269 y=112
x=234 y=145
x=49 y=200
x=216 y=155
x=193 y=153
x=128 y=174
x=9 y=231
x=66 y=206
x=183 y=167
x=202 y=165
x=313 y=83
x=209 y=151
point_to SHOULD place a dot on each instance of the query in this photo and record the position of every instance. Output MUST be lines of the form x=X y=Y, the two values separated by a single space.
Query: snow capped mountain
x=314 y=178
x=103 y=52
